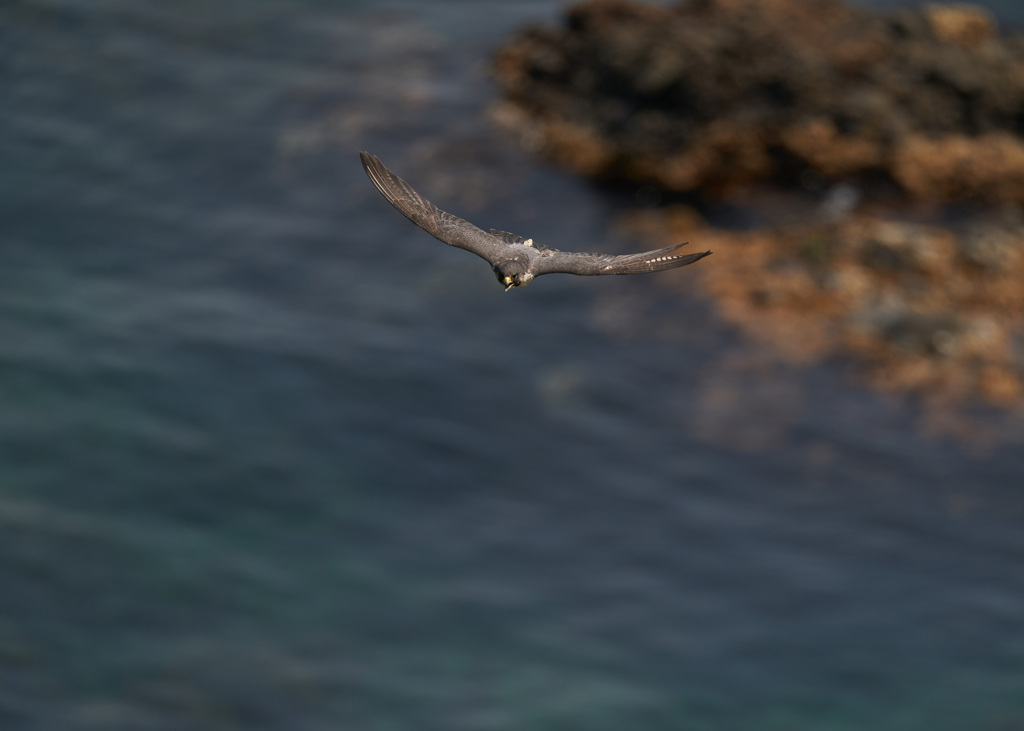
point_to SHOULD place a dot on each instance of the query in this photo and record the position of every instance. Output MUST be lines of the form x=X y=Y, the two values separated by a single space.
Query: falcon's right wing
x=443 y=226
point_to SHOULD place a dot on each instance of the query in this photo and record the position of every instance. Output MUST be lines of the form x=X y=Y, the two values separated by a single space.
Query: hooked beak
x=507 y=281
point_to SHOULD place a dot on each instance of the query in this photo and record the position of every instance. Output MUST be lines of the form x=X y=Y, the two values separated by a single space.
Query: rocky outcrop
x=712 y=94
x=926 y=309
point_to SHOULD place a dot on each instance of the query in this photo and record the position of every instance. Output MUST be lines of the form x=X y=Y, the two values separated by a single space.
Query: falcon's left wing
x=596 y=264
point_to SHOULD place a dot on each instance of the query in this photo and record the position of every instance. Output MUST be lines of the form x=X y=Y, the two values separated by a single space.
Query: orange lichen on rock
x=835 y=155
x=914 y=303
x=958 y=167
x=965 y=25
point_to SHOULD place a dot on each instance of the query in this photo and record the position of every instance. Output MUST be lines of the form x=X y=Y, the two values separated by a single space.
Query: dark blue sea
x=273 y=458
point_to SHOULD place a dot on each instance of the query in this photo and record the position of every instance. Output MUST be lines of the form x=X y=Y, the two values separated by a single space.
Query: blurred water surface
x=270 y=457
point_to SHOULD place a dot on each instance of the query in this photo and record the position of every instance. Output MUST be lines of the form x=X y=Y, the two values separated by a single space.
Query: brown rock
x=708 y=95
x=922 y=319
x=965 y=25
x=986 y=168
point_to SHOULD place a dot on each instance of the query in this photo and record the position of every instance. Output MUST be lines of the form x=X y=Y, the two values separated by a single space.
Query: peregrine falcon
x=515 y=260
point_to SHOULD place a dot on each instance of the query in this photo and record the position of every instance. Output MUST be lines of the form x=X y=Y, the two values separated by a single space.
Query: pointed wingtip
x=691 y=258
x=377 y=172
x=698 y=256
x=694 y=257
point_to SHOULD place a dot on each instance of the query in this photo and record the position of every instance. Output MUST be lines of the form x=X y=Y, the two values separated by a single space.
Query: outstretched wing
x=595 y=264
x=443 y=226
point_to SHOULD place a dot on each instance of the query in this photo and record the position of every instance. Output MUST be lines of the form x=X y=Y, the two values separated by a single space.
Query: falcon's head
x=514 y=272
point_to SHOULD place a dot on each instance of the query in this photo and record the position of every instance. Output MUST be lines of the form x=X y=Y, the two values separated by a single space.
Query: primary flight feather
x=515 y=260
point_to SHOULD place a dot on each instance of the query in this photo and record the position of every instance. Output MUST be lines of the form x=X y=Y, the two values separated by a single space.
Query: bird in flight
x=515 y=260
